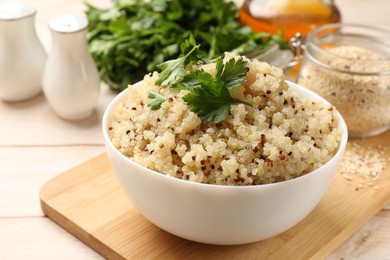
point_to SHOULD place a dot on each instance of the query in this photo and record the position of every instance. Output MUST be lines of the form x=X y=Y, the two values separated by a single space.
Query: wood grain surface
x=89 y=203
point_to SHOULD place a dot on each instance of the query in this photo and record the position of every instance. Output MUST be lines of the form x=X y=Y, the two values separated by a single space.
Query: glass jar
x=291 y=15
x=349 y=65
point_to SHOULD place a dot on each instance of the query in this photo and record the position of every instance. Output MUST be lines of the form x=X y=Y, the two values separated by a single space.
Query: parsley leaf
x=192 y=80
x=211 y=102
x=155 y=100
x=208 y=107
x=234 y=73
x=173 y=70
x=209 y=96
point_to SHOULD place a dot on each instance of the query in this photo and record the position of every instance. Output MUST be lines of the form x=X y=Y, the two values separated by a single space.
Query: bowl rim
x=338 y=154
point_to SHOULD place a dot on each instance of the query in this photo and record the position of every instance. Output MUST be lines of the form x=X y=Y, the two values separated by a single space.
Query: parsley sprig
x=173 y=70
x=208 y=96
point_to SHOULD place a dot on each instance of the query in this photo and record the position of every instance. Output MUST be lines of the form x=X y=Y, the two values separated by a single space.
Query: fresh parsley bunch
x=128 y=40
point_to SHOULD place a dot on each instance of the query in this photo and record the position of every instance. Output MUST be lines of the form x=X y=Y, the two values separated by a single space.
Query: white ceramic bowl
x=223 y=215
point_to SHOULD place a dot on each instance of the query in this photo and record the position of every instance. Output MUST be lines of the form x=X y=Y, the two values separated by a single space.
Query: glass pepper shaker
x=71 y=81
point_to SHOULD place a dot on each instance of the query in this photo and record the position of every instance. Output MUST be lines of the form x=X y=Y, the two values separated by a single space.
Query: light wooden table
x=35 y=145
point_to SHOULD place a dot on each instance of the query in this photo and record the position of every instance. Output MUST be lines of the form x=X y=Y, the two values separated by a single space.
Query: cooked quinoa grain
x=281 y=137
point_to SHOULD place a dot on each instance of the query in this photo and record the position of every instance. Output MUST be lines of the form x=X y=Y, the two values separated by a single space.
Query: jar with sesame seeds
x=349 y=65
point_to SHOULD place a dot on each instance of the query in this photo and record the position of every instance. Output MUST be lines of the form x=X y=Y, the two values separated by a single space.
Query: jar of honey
x=294 y=16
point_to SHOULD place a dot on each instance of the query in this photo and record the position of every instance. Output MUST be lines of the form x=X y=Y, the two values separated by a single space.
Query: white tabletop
x=35 y=146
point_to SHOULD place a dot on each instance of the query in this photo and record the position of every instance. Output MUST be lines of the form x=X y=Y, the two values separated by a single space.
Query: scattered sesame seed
x=363 y=162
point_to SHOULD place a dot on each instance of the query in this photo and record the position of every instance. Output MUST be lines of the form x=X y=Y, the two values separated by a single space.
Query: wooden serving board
x=88 y=202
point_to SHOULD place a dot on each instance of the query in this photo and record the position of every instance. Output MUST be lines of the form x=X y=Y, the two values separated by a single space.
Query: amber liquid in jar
x=291 y=15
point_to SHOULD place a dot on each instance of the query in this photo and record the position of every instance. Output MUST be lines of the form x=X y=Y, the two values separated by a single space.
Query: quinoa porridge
x=279 y=138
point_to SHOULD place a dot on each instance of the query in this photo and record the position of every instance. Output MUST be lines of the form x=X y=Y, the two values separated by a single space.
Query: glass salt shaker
x=22 y=57
x=71 y=81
